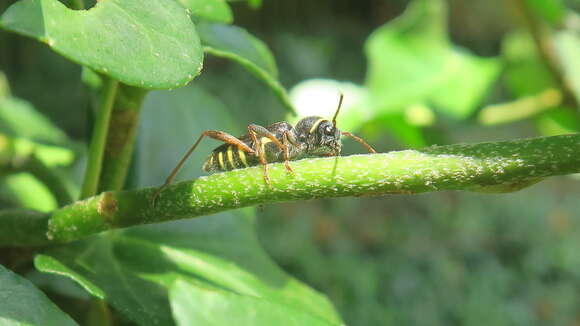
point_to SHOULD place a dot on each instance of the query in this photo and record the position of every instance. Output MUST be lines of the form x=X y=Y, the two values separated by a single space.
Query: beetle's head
x=321 y=136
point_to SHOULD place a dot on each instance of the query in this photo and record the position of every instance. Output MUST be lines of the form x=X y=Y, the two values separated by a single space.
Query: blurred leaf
x=568 y=49
x=19 y=119
x=255 y=4
x=552 y=11
x=189 y=302
x=135 y=268
x=319 y=97
x=150 y=44
x=25 y=305
x=558 y=122
x=4 y=87
x=525 y=73
x=411 y=60
x=29 y=192
x=419 y=115
x=472 y=75
x=236 y=44
x=405 y=132
x=212 y=10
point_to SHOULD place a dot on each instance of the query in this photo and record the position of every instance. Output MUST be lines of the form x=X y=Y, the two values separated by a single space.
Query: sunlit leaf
x=28 y=192
x=19 y=119
x=212 y=10
x=558 y=122
x=411 y=60
x=135 y=268
x=189 y=302
x=25 y=305
x=150 y=44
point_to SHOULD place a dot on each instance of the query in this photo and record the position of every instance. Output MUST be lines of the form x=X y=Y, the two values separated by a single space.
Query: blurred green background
x=432 y=72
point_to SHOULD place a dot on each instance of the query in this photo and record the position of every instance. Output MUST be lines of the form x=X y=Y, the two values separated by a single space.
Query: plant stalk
x=121 y=137
x=99 y=137
x=485 y=167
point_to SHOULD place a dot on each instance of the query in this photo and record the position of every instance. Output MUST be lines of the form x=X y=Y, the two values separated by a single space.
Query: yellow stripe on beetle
x=221 y=160
x=230 y=154
x=316 y=124
x=242 y=157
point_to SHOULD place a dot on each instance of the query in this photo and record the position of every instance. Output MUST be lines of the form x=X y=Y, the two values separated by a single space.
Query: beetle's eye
x=328 y=130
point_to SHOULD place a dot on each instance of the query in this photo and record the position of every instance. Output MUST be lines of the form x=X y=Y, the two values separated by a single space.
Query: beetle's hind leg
x=215 y=134
x=286 y=139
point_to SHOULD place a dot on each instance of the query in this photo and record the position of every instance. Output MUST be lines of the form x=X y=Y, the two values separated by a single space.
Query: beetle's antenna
x=337 y=110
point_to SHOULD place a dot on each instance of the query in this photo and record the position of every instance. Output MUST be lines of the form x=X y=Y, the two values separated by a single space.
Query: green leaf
x=19 y=119
x=25 y=305
x=134 y=269
x=149 y=44
x=558 y=122
x=525 y=73
x=405 y=132
x=188 y=302
x=236 y=44
x=212 y=10
x=4 y=87
x=255 y=4
x=412 y=61
x=29 y=192
x=552 y=11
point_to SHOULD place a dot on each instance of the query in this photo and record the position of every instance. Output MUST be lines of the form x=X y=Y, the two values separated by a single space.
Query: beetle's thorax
x=319 y=135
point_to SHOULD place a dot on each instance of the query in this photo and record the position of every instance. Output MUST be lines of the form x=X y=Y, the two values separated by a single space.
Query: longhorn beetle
x=278 y=142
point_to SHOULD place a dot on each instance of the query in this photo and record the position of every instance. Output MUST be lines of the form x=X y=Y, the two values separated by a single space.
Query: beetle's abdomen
x=228 y=157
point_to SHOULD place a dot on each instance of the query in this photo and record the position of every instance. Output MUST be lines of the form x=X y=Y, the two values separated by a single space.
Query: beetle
x=279 y=142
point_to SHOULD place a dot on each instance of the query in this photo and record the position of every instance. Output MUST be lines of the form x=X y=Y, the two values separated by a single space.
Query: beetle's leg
x=286 y=141
x=360 y=140
x=215 y=134
x=259 y=131
x=259 y=149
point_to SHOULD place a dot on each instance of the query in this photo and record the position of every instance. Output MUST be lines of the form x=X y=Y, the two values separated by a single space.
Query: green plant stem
x=485 y=167
x=99 y=137
x=121 y=137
